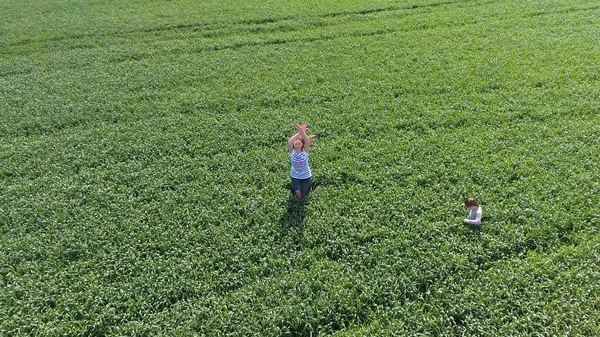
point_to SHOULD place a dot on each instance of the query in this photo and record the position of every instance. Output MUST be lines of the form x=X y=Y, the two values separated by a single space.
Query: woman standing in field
x=299 y=148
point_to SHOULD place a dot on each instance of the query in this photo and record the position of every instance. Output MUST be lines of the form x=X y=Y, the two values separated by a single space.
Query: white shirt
x=474 y=217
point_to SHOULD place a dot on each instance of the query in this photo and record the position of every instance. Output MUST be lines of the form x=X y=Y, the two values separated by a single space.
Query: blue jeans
x=302 y=185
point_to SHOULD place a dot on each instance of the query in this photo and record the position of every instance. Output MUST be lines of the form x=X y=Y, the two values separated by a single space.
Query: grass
x=144 y=175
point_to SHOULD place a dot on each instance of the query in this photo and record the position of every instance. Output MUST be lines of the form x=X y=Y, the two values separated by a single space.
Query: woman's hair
x=470 y=202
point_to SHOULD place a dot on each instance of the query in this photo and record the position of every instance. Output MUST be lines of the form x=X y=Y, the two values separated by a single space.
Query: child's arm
x=291 y=142
x=302 y=133
x=476 y=221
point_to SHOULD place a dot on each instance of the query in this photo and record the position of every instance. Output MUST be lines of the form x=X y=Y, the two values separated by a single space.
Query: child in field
x=475 y=212
x=299 y=148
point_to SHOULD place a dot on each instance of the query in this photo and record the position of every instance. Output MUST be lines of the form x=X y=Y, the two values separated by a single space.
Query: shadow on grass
x=476 y=229
x=291 y=222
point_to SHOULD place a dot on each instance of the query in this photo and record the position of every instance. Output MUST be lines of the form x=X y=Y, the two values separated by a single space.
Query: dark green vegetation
x=144 y=174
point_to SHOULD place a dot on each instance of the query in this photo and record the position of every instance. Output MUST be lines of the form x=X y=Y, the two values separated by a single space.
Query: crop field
x=144 y=173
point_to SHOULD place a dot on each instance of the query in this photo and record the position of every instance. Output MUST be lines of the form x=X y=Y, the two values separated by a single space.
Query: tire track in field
x=390 y=9
x=263 y=43
x=564 y=11
x=245 y=28
x=241 y=25
x=285 y=40
x=83 y=41
x=32 y=129
x=128 y=56
x=250 y=25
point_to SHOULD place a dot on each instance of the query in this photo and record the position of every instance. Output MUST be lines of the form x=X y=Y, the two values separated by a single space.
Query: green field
x=144 y=175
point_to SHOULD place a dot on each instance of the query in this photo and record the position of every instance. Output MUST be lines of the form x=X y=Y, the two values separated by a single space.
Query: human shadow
x=475 y=228
x=291 y=222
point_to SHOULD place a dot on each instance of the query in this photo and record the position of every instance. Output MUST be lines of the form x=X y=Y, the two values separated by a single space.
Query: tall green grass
x=144 y=173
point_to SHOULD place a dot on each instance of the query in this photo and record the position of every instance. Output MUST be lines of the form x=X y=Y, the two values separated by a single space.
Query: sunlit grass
x=144 y=174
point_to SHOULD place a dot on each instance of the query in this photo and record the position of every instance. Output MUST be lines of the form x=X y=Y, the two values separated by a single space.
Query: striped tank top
x=300 y=168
